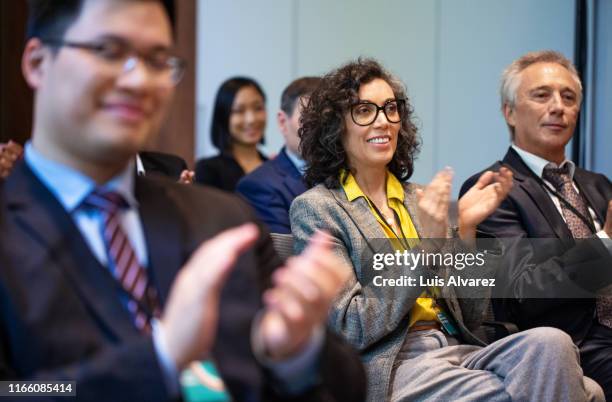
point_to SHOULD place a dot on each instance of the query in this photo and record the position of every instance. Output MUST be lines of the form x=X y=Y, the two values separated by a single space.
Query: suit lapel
x=41 y=218
x=161 y=224
x=593 y=196
x=527 y=182
x=291 y=177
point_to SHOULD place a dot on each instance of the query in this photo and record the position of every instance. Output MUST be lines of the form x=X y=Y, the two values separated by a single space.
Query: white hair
x=511 y=77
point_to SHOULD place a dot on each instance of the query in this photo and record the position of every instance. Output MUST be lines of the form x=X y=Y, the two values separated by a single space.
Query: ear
x=32 y=62
x=509 y=115
x=282 y=119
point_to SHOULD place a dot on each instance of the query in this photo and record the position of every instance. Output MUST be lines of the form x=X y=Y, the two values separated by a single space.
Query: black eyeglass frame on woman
x=398 y=104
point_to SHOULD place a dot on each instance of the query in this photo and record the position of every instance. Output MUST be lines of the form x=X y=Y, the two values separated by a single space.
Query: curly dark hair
x=322 y=124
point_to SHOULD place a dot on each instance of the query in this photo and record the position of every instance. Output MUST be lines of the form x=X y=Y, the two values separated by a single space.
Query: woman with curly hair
x=359 y=141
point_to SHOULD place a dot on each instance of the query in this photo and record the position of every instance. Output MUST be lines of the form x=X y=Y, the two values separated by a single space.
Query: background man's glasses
x=123 y=56
x=366 y=113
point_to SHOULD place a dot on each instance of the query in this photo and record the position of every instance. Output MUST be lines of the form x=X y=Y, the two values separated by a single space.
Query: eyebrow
x=549 y=88
x=369 y=101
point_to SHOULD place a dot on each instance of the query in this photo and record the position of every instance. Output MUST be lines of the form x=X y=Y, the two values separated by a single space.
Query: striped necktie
x=562 y=181
x=142 y=300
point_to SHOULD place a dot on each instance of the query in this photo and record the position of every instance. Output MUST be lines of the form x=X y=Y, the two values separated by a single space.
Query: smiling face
x=372 y=146
x=545 y=111
x=248 y=117
x=88 y=111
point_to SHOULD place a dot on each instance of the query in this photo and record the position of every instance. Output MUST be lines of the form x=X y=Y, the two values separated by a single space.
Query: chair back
x=283 y=244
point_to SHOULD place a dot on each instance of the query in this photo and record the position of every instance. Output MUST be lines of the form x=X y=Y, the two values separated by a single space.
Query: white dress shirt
x=537 y=165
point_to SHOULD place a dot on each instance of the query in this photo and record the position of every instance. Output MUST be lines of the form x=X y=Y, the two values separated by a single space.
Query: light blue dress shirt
x=298 y=162
x=71 y=187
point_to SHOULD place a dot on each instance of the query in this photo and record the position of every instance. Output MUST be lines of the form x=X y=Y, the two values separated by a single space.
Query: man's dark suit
x=62 y=317
x=271 y=188
x=160 y=163
x=529 y=213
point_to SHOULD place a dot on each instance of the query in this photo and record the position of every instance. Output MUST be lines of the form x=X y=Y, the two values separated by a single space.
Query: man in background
x=272 y=187
x=561 y=214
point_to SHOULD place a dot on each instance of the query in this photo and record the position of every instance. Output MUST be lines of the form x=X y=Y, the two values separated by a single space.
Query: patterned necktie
x=562 y=181
x=142 y=298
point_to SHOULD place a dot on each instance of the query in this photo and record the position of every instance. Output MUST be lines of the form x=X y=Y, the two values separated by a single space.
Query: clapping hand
x=9 y=153
x=482 y=199
x=433 y=202
x=187 y=177
x=189 y=321
x=300 y=299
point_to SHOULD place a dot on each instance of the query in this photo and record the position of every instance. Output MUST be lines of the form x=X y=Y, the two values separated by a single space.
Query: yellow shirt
x=424 y=308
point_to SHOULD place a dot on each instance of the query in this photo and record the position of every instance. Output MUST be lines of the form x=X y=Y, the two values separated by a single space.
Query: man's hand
x=9 y=154
x=300 y=299
x=482 y=199
x=433 y=204
x=186 y=177
x=608 y=224
x=189 y=322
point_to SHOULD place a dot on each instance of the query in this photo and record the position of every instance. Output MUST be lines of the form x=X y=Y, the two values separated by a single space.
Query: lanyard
x=401 y=239
x=562 y=199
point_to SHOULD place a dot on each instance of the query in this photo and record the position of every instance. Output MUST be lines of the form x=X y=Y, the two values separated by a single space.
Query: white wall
x=449 y=53
x=602 y=111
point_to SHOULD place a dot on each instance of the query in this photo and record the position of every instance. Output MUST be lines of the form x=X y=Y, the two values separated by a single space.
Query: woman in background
x=238 y=125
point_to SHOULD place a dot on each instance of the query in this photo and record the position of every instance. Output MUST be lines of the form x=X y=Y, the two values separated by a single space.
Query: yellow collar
x=353 y=191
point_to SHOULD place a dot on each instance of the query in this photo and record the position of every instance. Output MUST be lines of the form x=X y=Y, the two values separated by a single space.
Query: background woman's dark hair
x=322 y=124
x=219 y=131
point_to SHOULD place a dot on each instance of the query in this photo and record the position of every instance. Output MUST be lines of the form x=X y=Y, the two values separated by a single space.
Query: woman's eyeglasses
x=365 y=113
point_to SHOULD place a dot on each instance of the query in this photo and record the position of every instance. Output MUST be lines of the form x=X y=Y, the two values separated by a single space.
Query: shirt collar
x=70 y=186
x=140 y=170
x=353 y=191
x=298 y=162
x=394 y=187
x=537 y=164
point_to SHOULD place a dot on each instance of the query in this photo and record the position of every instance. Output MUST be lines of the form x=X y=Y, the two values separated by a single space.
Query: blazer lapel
x=295 y=186
x=38 y=214
x=360 y=214
x=593 y=196
x=410 y=202
x=291 y=177
x=526 y=181
x=161 y=223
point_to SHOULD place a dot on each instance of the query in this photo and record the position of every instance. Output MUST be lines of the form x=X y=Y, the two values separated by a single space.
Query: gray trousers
x=541 y=364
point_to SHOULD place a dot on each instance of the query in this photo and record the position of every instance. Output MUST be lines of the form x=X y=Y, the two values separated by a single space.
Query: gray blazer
x=374 y=319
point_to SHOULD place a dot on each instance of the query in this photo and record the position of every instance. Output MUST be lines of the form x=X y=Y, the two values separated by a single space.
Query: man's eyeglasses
x=365 y=113
x=123 y=56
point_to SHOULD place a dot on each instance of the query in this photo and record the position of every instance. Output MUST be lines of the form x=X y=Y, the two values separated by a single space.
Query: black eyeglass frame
x=401 y=107
x=174 y=63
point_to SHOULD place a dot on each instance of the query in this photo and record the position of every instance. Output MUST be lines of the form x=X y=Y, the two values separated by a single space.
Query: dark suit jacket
x=551 y=265
x=221 y=171
x=270 y=189
x=61 y=317
x=160 y=163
